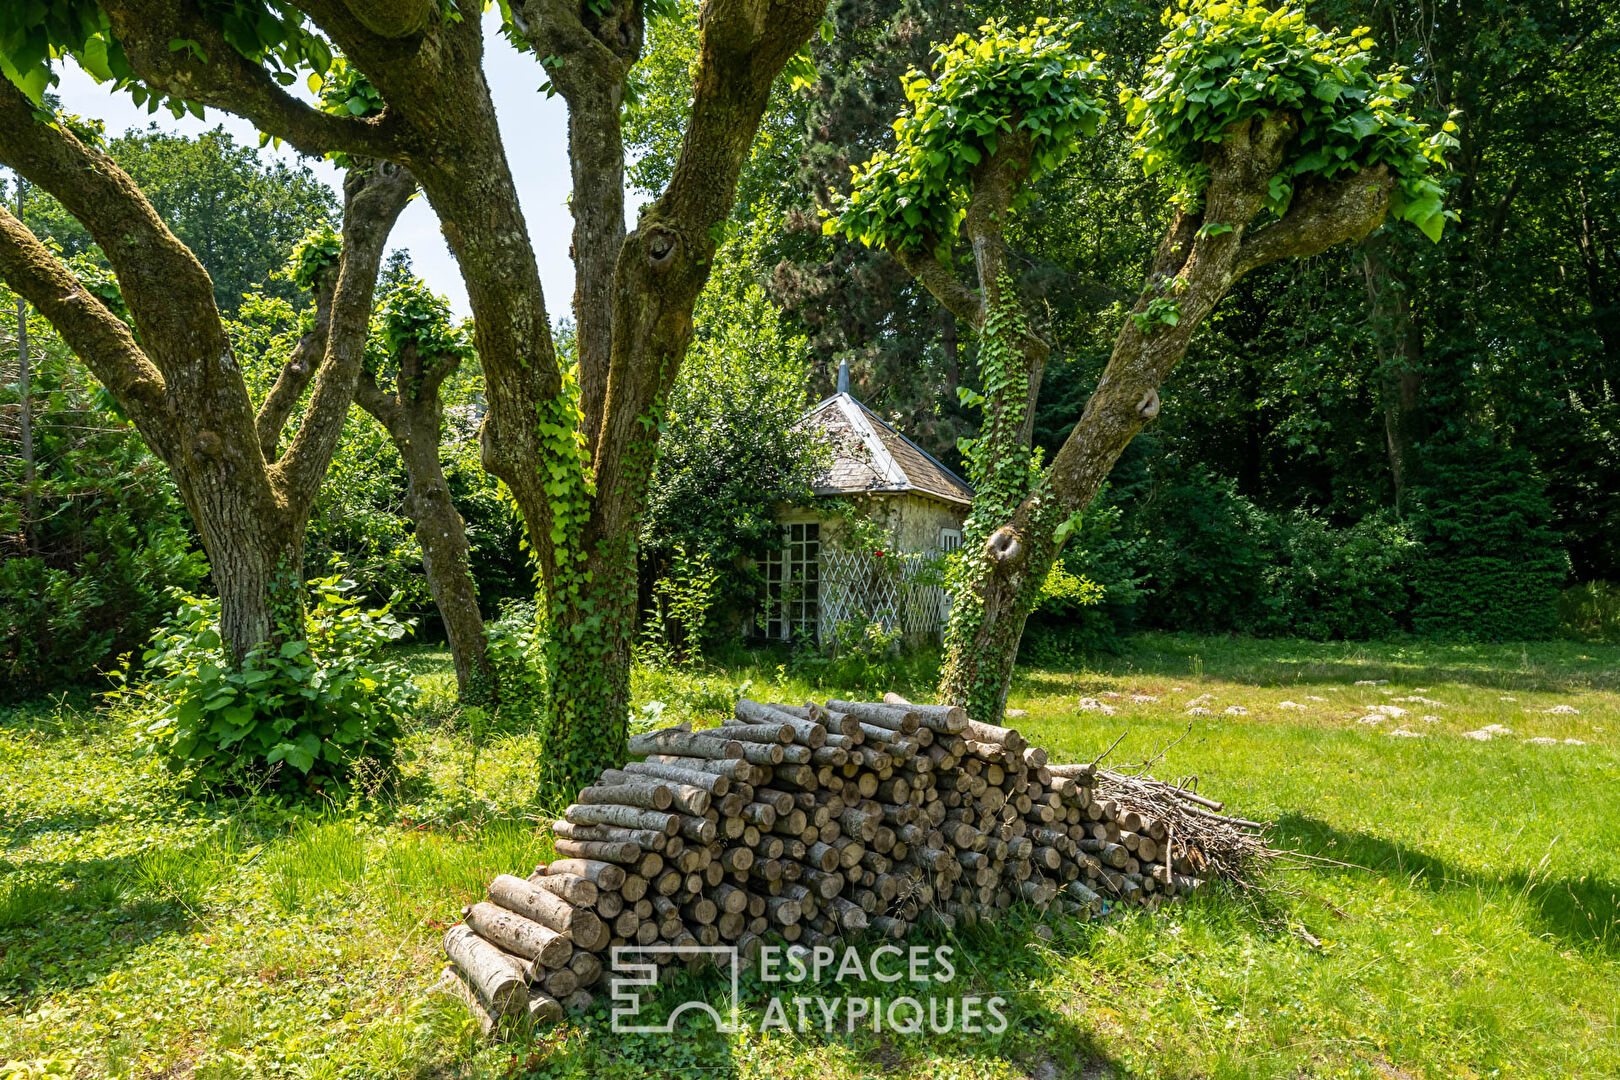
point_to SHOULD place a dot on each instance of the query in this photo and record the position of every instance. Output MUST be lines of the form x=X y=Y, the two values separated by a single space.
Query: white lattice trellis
x=862 y=587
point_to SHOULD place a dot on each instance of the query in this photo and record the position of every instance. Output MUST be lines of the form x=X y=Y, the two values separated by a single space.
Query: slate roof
x=870 y=456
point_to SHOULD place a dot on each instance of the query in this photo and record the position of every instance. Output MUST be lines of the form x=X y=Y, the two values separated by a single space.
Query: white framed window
x=793 y=583
x=950 y=540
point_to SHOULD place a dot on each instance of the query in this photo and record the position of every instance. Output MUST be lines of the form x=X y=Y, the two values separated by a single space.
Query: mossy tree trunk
x=173 y=372
x=1019 y=520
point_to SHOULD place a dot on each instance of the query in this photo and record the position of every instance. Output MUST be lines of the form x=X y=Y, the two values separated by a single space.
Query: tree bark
x=413 y=416
x=1011 y=549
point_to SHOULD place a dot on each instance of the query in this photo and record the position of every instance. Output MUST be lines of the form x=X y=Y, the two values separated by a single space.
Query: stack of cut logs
x=806 y=823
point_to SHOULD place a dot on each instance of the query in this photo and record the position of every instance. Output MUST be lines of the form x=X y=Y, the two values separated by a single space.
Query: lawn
x=1465 y=926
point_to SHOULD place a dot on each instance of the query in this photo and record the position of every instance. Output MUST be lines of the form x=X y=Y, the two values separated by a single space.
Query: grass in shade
x=1466 y=925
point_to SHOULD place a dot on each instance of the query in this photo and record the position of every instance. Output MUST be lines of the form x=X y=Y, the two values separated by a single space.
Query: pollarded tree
x=417 y=349
x=576 y=455
x=1275 y=139
x=172 y=369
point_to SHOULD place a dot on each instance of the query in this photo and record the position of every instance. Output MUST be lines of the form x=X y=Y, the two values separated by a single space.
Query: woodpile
x=809 y=823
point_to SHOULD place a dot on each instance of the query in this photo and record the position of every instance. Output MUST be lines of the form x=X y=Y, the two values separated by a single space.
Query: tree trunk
x=593 y=624
x=1399 y=345
x=26 y=406
x=413 y=416
x=445 y=561
x=257 y=567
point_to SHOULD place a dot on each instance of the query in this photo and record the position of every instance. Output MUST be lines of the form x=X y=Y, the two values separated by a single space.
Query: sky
x=534 y=129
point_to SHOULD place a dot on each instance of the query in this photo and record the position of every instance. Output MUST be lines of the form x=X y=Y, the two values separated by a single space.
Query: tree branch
x=393 y=18
x=592 y=59
x=938 y=279
x=666 y=261
x=374 y=195
x=95 y=334
x=225 y=79
x=1321 y=215
x=297 y=371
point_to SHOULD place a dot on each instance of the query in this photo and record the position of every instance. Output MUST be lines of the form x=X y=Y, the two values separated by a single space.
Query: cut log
x=714 y=783
x=626 y=817
x=649 y=795
x=519 y=936
x=547 y=909
x=897 y=718
x=612 y=851
x=604 y=875
x=499 y=980
x=686 y=744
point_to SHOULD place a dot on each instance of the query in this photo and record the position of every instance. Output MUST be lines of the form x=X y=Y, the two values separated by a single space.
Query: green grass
x=1467 y=927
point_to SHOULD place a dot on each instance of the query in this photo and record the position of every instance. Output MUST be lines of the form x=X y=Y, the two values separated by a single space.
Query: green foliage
x=316 y=254
x=86 y=578
x=1340 y=584
x=1161 y=311
x=1493 y=566
x=1226 y=61
x=300 y=711
x=1590 y=612
x=984 y=89
x=345 y=90
x=518 y=645
x=683 y=598
x=415 y=314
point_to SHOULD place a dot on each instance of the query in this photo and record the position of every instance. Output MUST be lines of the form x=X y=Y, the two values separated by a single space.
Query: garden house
x=871 y=549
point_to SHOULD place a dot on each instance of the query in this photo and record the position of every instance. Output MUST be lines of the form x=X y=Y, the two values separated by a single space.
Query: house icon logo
x=635 y=968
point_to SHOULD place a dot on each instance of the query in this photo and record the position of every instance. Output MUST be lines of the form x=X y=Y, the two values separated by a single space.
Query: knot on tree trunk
x=1004 y=544
x=661 y=246
x=1148 y=407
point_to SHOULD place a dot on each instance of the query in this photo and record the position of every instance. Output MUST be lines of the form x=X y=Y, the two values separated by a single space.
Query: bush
x=298 y=713
x=1590 y=612
x=1103 y=585
x=1332 y=583
x=1205 y=551
x=1492 y=564
x=59 y=624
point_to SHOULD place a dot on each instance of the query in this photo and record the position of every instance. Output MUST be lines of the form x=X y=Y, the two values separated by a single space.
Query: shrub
x=303 y=711
x=1332 y=583
x=1205 y=551
x=1096 y=607
x=59 y=623
x=1492 y=563
x=1590 y=612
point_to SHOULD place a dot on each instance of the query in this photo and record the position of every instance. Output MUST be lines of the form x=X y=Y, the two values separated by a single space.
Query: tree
x=418 y=350
x=576 y=453
x=1278 y=141
x=173 y=371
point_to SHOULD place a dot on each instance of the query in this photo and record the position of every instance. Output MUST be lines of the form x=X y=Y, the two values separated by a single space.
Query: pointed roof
x=870 y=456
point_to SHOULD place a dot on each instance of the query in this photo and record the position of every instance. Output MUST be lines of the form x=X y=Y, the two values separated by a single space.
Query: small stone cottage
x=831 y=573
